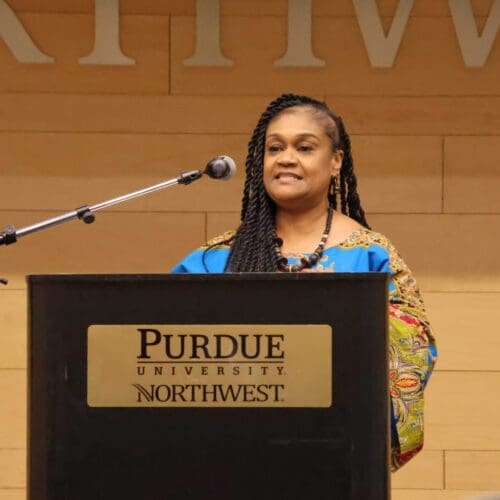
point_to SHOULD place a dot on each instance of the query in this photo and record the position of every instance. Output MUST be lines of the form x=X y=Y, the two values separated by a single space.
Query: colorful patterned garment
x=412 y=351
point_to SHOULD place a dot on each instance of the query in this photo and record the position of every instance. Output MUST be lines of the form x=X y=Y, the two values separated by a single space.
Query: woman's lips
x=287 y=177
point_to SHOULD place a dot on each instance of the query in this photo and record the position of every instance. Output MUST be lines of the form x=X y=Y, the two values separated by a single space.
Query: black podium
x=234 y=386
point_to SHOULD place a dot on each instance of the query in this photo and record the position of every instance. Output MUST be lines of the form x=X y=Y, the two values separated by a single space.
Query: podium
x=233 y=386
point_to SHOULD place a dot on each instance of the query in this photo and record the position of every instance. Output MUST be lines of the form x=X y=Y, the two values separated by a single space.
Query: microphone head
x=221 y=168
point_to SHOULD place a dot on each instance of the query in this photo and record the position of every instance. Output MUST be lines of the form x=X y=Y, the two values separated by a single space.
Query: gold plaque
x=209 y=365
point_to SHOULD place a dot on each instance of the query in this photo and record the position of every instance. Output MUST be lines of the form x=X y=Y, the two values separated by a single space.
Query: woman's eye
x=305 y=148
x=273 y=148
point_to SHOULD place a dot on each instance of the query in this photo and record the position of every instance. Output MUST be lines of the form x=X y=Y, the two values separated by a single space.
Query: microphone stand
x=86 y=213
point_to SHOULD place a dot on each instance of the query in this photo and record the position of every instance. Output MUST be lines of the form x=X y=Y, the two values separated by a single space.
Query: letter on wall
x=475 y=48
x=382 y=50
x=18 y=40
x=207 y=51
x=299 y=51
x=107 y=36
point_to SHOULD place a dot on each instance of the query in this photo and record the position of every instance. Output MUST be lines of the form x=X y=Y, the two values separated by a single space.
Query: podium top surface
x=117 y=278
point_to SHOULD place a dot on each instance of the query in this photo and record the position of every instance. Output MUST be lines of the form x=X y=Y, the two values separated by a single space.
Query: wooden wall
x=426 y=139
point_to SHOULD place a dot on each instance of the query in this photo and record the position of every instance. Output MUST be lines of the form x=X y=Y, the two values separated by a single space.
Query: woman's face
x=299 y=160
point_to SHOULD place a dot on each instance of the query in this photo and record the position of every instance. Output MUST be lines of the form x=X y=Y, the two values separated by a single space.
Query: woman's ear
x=336 y=162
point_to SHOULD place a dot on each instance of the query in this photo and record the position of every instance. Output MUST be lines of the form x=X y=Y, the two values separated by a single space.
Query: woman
x=299 y=170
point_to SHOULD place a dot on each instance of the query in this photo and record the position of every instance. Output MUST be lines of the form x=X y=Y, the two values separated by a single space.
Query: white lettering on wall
x=207 y=51
x=107 y=36
x=299 y=50
x=382 y=50
x=475 y=48
x=18 y=40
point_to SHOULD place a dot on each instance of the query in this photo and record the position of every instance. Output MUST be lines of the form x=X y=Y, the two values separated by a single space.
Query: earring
x=331 y=187
x=335 y=186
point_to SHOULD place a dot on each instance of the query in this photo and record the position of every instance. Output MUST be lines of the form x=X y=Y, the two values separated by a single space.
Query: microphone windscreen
x=221 y=168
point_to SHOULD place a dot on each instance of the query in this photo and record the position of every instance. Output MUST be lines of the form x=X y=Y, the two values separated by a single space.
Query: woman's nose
x=287 y=157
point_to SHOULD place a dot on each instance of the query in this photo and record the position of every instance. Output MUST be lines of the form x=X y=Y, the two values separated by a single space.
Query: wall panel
x=13 y=494
x=425 y=471
x=144 y=38
x=339 y=8
x=149 y=7
x=13 y=414
x=440 y=495
x=418 y=115
x=471 y=174
x=447 y=252
x=61 y=170
x=124 y=242
x=465 y=327
x=398 y=174
x=12 y=469
x=131 y=113
x=461 y=411
x=239 y=114
x=473 y=470
x=13 y=324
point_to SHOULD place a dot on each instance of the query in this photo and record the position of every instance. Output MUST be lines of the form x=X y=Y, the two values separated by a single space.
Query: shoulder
x=383 y=254
x=356 y=235
x=209 y=258
x=223 y=240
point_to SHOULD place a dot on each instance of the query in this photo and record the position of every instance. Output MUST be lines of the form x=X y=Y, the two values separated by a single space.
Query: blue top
x=412 y=350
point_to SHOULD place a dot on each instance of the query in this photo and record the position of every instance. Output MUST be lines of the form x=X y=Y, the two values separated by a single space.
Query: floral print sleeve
x=412 y=354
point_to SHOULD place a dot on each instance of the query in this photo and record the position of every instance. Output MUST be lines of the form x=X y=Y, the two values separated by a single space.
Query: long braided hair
x=253 y=245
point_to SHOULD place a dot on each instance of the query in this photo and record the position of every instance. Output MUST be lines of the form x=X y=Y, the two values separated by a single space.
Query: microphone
x=221 y=168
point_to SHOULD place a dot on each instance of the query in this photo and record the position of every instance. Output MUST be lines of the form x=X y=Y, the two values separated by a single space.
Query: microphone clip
x=8 y=235
x=188 y=177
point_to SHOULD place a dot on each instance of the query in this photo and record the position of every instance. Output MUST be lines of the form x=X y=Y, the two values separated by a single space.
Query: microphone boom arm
x=86 y=213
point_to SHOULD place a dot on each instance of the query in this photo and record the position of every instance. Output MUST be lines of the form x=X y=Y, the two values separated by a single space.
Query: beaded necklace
x=305 y=262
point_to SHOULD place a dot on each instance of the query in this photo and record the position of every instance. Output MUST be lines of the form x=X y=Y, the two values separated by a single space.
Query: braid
x=253 y=245
x=351 y=204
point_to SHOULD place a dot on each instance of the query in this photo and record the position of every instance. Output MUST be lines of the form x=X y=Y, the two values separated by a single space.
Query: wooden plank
x=418 y=115
x=53 y=171
x=13 y=414
x=398 y=174
x=218 y=223
x=116 y=113
x=425 y=471
x=445 y=252
x=474 y=470
x=62 y=171
x=69 y=37
x=147 y=7
x=12 y=469
x=447 y=494
x=461 y=410
x=13 y=319
x=464 y=326
x=239 y=114
x=37 y=193
x=339 y=8
x=471 y=174
x=125 y=242
x=426 y=242
x=13 y=494
x=429 y=61
x=115 y=156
